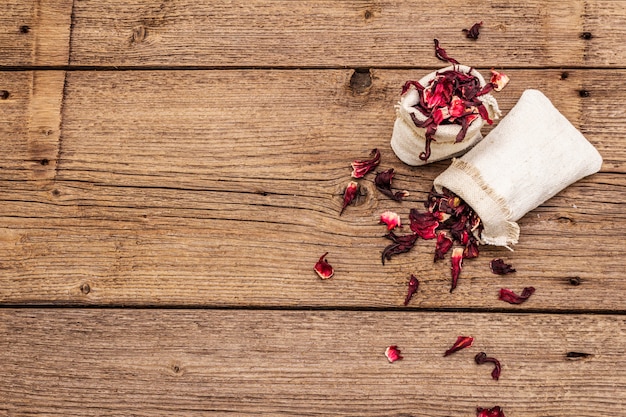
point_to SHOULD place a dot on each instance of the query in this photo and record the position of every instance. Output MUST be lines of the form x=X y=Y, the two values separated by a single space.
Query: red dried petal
x=401 y=244
x=462 y=342
x=482 y=358
x=474 y=31
x=349 y=195
x=444 y=244
x=499 y=80
x=383 y=184
x=391 y=219
x=512 y=298
x=456 y=107
x=491 y=412
x=423 y=224
x=499 y=267
x=471 y=249
x=361 y=168
x=393 y=354
x=413 y=285
x=482 y=110
x=441 y=54
x=457 y=265
x=323 y=268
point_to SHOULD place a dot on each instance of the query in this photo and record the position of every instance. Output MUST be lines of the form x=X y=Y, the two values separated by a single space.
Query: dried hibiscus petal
x=474 y=31
x=361 y=168
x=512 y=298
x=383 y=184
x=462 y=342
x=491 y=412
x=423 y=224
x=323 y=268
x=444 y=244
x=499 y=267
x=482 y=358
x=349 y=195
x=393 y=354
x=400 y=244
x=391 y=219
x=471 y=248
x=441 y=54
x=457 y=265
x=413 y=285
x=499 y=80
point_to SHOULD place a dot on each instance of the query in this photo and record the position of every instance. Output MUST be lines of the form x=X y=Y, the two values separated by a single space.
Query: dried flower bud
x=391 y=219
x=323 y=268
x=349 y=195
x=457 y=265
x=512 y=298
x=393 y=354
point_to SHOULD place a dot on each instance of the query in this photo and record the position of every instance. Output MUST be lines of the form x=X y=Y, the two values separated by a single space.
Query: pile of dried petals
x=448 y=219
x=452 y=97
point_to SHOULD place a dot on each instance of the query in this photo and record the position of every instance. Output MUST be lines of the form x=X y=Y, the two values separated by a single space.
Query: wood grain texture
x=192 y=362
x=180 y=188
x=354 y=33
x=35 y=32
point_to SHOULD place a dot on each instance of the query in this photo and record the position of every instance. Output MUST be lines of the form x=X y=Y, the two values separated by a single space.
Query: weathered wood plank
x=178 y=189
x=352 y=33
x=35 y=32
x=106 y=362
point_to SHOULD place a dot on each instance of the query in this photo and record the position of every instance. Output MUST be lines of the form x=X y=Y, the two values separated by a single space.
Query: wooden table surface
x=170 y=172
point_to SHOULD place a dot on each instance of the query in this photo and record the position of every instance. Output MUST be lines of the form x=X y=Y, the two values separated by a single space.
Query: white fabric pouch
x=408 y=140
x=531 y=155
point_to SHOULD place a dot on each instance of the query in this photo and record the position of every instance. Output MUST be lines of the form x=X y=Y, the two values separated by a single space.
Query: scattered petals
x=383 y=184
x=482 y=358
x=512 y=298
x=499 y=267
x=457 y=265
x=391 y=219
x=423 y=224
x=474 y=31
x=491 y=412
x=393 y=354
x=413 y=285
x=462 y=342
x=441 y=54
x=444 y=244
x=323 y=268
x=401 y=244
x=361 y=168
x=349 y=195
x=499 y=80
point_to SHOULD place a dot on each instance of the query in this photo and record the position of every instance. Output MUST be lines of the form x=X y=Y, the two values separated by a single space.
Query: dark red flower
x=413 y=285
x=512 y=298
x=393 y=353
x=423 y=224
x=482 y=358
x=474 y=31
x=441 y=54
x=444 y=244
x=491 y=412
x=349 y=195
x=462 y=342
x=400 y=244
x=383 y=184
x=361 y=168
x=457 y=265
x=498 y=267
x=323 y=268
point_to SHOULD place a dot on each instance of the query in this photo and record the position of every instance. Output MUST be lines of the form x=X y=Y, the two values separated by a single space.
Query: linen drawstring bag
x=408 y=140
x=531 y=155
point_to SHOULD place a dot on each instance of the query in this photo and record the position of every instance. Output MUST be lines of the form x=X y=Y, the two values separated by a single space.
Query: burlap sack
x=408 y=140
x=531 y=155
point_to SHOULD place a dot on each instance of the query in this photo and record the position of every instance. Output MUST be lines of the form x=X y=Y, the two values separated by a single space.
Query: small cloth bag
x=408 y=140
x=531 y=155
